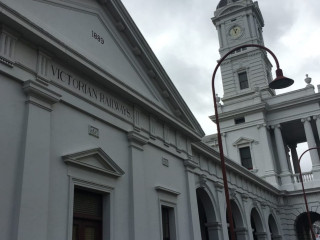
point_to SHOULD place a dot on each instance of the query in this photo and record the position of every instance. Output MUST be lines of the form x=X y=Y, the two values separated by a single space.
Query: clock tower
x=246 y=72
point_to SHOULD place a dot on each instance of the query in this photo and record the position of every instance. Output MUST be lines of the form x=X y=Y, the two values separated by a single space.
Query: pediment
x=101 y=36
x=243 y=141
x=94 y=160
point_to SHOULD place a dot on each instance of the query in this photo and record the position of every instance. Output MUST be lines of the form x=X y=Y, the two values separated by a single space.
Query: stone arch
x=302 y=225
x=209 y=226
x=258 y=230
x=238 y=221
x=273 y=228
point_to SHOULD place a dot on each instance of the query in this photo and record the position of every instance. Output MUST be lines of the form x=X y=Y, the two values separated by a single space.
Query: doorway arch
x=238 y=223
x=273 y=228
x=208 y=223
x=258 y=231
x=302 y=225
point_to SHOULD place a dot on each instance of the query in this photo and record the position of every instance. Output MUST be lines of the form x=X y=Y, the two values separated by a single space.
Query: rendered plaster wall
x=12 y=122
x=292 y=207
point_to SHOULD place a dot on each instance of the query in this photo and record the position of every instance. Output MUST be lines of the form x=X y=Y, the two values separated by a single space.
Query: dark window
x=243 y=80
x=239 y=120
x=245 y=156
x=87 y=215
x=168 y=224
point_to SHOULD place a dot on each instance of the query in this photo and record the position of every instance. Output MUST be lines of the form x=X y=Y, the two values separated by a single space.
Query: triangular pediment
x=105 y=38
x=94 y=160
x=243 y=141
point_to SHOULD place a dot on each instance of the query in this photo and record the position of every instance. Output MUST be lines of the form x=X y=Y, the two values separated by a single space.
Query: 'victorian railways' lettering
x=90 y=91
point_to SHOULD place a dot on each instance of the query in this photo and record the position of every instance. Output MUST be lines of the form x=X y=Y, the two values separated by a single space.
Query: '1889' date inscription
x=97 y=37
x=92 y=92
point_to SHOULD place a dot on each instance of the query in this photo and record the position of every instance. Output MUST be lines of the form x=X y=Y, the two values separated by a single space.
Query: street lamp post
x=304 y=193
x=279 y=82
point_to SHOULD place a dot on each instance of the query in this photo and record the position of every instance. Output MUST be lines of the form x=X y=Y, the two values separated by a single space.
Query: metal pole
x=223 y=165
x=304 y=193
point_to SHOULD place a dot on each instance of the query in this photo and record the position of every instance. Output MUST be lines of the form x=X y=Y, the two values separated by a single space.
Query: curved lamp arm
x=279 y=82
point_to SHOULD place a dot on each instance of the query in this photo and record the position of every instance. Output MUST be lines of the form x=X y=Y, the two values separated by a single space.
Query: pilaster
x=33 y=205
x=224 y=145
x=194 y=229
x=138 y=221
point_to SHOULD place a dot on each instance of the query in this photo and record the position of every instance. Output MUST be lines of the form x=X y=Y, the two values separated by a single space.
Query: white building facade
x=97 y=143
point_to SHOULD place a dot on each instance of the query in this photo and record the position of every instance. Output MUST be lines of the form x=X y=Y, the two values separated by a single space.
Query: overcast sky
x=181 y=34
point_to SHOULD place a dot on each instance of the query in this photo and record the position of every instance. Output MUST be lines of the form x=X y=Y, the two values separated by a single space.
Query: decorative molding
x=219 y=186
x=7 y=46
x=120 y=26
x=96 y=160
x=151 y=74
x=93 y=131
x=136 y=118
x=136 y=51
x=166 y=133
x=152 y=127
x=137 y=140
x=166 y=190
x=165 y=94
x=244 y=196
x=307 y=119
x=232 y=193
x=43 y=61
x=189 y=164
x=203 y=180
x=244 y=141
x=40 y=95
x=165 y=162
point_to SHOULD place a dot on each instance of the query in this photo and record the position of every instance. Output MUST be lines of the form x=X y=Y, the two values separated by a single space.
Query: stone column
x=247 y=213
x=294 y=156
x=33 y=204
x=265 y=217
x=242 y=233
x=266 y=148
x=222 y=208
x=214 y=230
x=285 y=174
x=138 y=220
x=317 y=119
x=311 y=141
x=261 y=235
x=194 y=227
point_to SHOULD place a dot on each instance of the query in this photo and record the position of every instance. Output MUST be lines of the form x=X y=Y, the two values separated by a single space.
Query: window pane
x=87 y=215
x=245 y=156
x=165 y=223
x=89 y=233
x=243 y=80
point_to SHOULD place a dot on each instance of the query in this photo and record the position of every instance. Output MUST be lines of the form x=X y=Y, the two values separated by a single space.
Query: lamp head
x=280 y=81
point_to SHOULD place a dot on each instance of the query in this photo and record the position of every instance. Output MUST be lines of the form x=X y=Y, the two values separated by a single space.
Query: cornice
x=234 y=167
x=43 y=38
x=294 y=102
x=247 y=9
x=241 y=111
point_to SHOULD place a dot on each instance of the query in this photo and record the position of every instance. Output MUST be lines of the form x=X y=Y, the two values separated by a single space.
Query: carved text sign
x=91 y=92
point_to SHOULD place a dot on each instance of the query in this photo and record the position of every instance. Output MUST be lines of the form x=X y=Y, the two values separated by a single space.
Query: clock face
x=235 y=32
